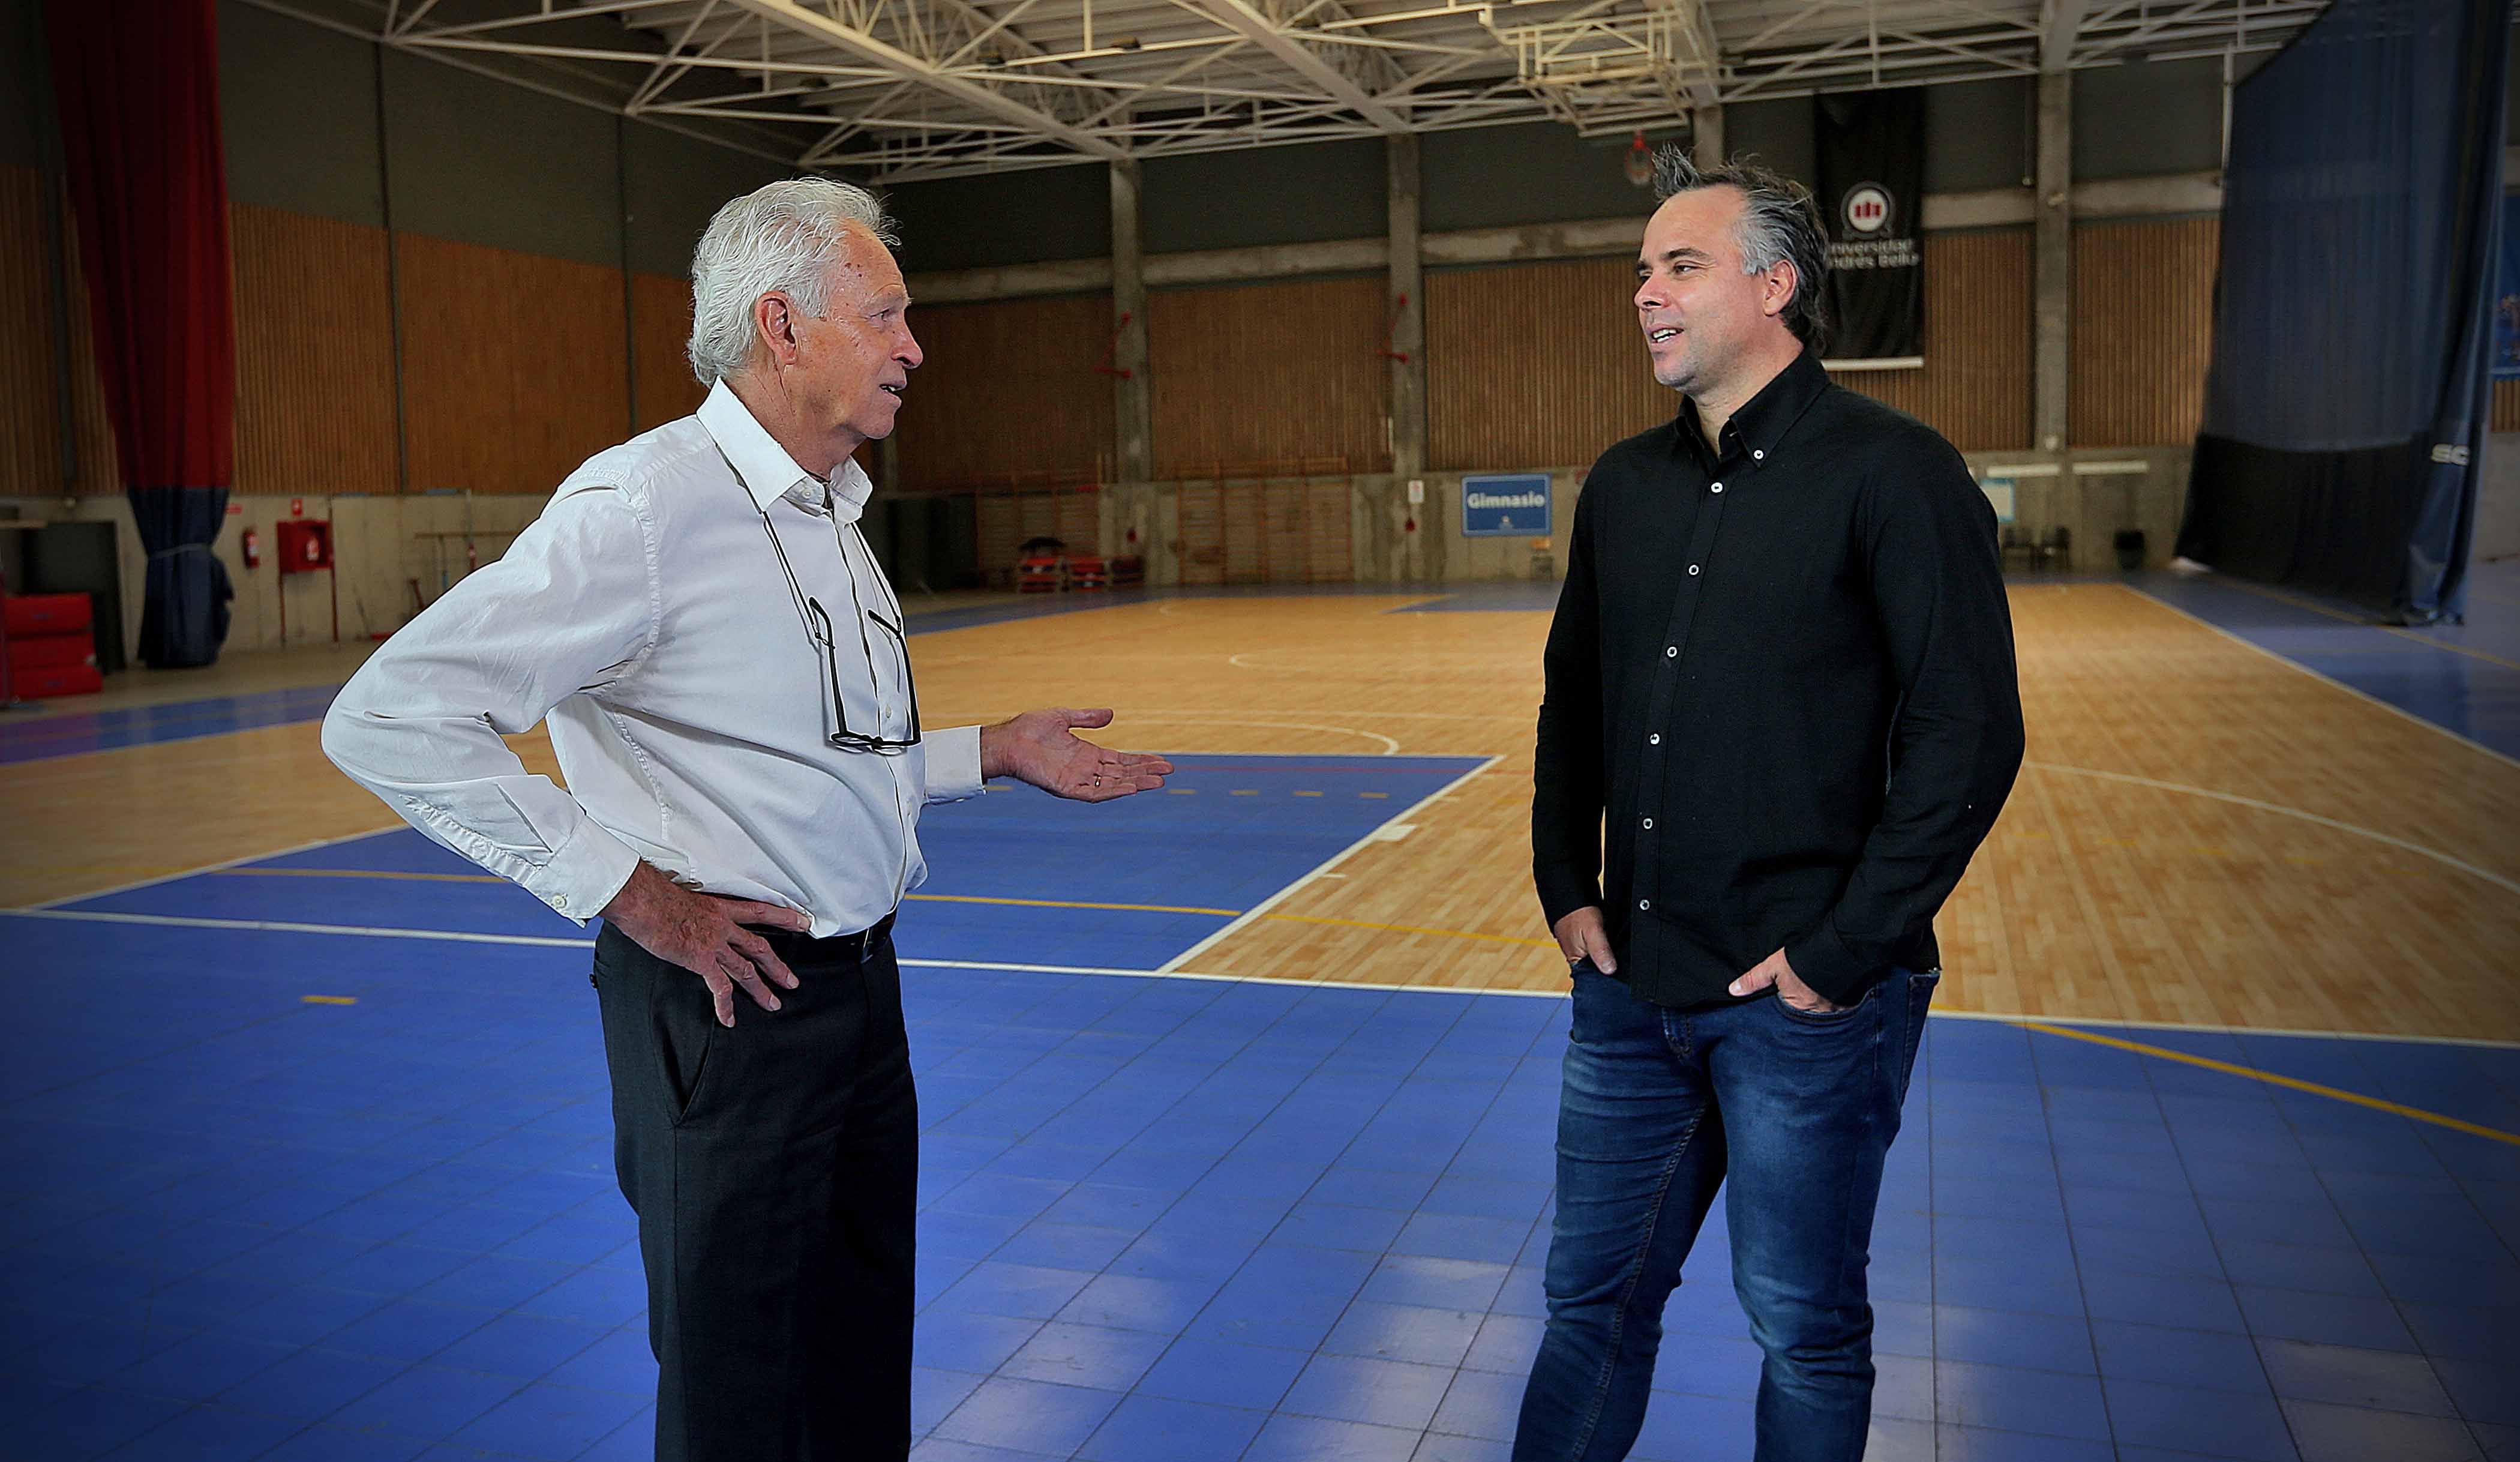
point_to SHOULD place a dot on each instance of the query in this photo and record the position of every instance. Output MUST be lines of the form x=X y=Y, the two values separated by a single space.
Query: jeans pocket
x=1844 y=1015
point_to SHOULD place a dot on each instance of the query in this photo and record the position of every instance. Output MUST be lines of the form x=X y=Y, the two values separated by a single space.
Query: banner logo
x=1866 y=208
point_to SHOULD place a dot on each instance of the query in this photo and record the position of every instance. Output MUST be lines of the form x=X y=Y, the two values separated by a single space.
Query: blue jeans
x=1660 y=1108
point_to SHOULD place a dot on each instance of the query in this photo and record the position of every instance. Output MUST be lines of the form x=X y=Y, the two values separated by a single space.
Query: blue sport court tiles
x=71 y=733
x=1166 y=1219
x=2464 y=678
x=1005 y=868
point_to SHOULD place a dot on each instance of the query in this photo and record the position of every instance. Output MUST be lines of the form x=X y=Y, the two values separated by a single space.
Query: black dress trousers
x=774 y=1166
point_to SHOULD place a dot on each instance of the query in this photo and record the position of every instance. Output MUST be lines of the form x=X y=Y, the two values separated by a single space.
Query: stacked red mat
x=52 y=648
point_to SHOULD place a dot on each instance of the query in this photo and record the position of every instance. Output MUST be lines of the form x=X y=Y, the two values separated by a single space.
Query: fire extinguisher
x=251 y=547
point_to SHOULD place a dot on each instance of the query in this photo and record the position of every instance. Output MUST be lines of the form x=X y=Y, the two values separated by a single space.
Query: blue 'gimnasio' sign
x=1506 y=505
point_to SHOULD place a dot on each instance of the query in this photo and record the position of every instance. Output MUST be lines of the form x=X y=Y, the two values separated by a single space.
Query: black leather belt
x=847 y=948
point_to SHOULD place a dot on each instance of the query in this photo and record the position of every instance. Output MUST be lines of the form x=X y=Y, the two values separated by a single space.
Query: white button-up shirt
x=646 y=613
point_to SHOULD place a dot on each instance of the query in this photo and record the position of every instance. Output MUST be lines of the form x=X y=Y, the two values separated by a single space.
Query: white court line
x=1335 y=859
x=2203 y=1029
x=2280 y=810
x=2290 y=664
x=274 y=926
x=537 y=941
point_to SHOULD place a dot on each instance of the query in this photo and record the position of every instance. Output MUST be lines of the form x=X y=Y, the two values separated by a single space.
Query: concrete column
x=1408 y=292
x=2052 y=278
x=1707 y=135
x=1133 y=416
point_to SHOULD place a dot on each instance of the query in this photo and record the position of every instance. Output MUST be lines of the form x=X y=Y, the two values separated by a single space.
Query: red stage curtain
x=137 y=85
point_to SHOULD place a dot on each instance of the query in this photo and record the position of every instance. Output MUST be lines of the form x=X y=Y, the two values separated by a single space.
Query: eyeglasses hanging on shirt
x=818 y=628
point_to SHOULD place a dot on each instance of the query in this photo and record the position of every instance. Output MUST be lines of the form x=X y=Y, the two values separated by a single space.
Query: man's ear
x=1782 y=280
x=774 y=320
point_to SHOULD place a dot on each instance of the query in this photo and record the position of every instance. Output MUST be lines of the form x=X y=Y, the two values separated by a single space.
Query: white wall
x=379 y=554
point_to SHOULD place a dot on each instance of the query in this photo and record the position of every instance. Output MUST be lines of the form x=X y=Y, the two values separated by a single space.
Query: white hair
x=781 y=237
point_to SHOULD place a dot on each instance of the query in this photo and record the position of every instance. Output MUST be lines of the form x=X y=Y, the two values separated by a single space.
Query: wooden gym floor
x=2204 y=833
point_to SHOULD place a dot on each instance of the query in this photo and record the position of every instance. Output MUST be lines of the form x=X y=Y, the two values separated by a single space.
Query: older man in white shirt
x=729 y=691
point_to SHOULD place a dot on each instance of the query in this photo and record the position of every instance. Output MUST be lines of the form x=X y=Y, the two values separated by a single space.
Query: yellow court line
x=2399 y=630
x=1030 y=903
x=2294 y=1084
x=329 y=1000
x=918 y=896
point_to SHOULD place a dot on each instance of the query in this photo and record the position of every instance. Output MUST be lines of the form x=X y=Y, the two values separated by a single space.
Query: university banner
x=1871 y=193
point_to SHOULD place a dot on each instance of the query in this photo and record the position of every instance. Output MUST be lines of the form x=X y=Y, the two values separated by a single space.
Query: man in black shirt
x=1782 y=669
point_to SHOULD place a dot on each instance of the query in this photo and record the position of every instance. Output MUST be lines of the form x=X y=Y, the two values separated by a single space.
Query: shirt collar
x=765 y=468
x=1763 y=418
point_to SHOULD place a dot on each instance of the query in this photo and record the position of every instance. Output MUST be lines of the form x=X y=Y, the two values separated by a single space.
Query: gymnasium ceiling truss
x=899 y=90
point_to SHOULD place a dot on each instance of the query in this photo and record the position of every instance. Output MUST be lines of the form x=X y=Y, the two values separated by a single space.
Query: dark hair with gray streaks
x=1780 y=223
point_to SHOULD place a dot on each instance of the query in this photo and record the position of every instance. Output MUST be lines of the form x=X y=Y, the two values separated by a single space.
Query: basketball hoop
x=1640 y=161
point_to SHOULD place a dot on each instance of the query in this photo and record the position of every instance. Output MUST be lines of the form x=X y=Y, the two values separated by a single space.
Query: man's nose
x=910 y=356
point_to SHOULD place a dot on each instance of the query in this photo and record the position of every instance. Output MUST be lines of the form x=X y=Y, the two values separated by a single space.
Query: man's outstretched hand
x=1041 y=746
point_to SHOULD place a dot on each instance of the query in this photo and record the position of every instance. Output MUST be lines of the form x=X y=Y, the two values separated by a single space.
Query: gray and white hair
x=1780 y=224
x=780 y=237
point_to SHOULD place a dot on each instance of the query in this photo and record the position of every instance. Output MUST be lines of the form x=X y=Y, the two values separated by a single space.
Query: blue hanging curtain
x=2345 y=412
x=137 y=85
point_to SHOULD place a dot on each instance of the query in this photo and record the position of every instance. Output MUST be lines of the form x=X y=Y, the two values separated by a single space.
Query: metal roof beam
x=1239 y=17
x=864 y=44
x=2060 y=24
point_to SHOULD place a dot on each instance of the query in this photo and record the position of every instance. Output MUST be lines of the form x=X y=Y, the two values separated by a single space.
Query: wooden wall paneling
x=1539 y=365
x=1330 y=550
x=1077 y=520
x=1286 y=552
x=1269 y=373
x=1246 y=537
x=315 y=386
x=1009 y=517
x=1201 y=550
x=514 y=368
x=1536 y=365
x=1975 y=387
x=31 y=424
x=1009 y=388
x=1000 y=520
x=661 y=327
x=2507 y=406
x=2142 y=330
